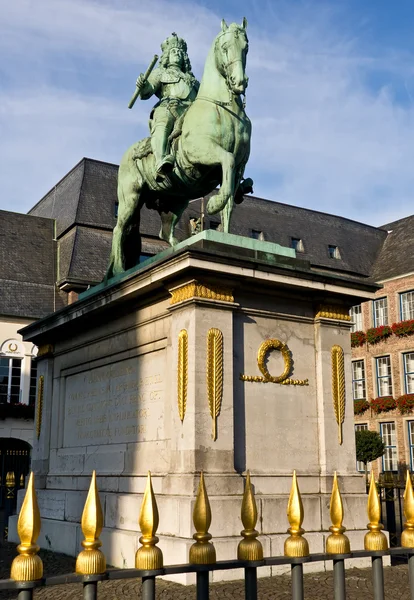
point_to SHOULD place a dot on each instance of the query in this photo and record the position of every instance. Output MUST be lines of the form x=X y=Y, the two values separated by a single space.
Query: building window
x=10 y=371
x=297 y=244
x=333 y=252
x=409 y=372
x=358 y=380
x=389 y=460
x=384 y=378
x=33 y=380
x=407 y=306
x=380 y=309
x=359 y=464
x=411 y=442
x=215 y=226
x=116 y=209
x=257 y=235
x=356 y=317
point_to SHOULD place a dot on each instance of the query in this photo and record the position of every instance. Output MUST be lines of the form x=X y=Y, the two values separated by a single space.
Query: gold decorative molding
x=375 y=539
x=28 y=566
x=249 y=548
x=284 y=379
x=338 y=387
x=45 y=350
x=196 y=289
x=337 y=542
x=339 y=313
x=202 y=552
x=182 y=373
x=148 y=556
x=91 y=561
x=295 y=544
x=39 y=405
x=214 y=375
x=407 y=536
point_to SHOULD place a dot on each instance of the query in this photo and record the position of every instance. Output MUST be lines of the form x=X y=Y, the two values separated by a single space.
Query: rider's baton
x=146 y=75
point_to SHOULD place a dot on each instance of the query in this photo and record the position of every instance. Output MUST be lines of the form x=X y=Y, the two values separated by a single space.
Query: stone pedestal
x=112 y=364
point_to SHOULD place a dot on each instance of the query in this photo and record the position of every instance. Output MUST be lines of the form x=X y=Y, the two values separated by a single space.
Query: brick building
x=383 y=365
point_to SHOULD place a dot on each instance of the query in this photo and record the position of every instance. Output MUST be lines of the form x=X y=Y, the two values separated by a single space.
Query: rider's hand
x=140 y=81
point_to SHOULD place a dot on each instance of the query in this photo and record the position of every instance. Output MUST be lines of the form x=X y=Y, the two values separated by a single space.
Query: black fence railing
x=27 y=568
x=90 y=582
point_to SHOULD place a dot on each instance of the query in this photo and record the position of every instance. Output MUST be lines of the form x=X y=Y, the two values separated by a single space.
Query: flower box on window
x=358 y=338
x=405 y=403
x=377 y=334
x=383 y=404
x=360 y=406
x=403 y=328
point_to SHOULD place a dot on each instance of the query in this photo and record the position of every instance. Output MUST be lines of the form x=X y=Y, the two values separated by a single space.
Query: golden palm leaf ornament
x=182 y=375
x=338 y=387
x=214 y=374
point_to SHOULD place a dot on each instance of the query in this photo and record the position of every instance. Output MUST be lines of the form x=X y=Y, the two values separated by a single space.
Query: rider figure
x=175 y=85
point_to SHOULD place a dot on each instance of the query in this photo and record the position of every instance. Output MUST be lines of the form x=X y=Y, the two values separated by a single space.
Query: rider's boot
x=164 y=162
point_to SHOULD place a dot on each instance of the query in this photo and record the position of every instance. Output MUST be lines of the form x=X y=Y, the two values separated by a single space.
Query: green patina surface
x=268 y=251
x=199 y=141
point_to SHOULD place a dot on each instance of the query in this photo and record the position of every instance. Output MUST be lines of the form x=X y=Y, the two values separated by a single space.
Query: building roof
x=27 y=266
x=397 y=253
x=359 y=244
x=80 y=211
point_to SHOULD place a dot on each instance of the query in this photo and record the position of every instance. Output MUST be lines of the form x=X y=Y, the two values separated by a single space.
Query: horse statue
x=211 y=150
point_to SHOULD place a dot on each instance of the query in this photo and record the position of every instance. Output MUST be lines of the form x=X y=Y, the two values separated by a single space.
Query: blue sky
x=330 y=96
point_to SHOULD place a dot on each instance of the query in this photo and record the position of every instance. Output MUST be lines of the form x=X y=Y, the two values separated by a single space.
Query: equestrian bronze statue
x=200 y=139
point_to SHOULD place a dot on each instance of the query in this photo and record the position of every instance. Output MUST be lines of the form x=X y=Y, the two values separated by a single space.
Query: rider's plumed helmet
x=175 y=42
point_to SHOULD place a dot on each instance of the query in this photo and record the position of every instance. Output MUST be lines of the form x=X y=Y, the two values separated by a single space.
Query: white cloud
x=323 y=136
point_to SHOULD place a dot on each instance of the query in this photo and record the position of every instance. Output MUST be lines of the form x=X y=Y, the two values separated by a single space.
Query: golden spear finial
x=149 y=556
x=375 y=539
x=249 y=548
x=202 y=552
x=295 y=544
x=28 y=566
x=337 y=542
x=91 y=561
x=407 y=536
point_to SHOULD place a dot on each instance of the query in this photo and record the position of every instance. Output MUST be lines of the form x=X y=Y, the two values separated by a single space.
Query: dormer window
x=333 y=252
x=257 y=235
x=297 y=244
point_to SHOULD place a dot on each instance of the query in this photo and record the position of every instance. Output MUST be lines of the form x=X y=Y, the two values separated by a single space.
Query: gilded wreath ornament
x=284 y=379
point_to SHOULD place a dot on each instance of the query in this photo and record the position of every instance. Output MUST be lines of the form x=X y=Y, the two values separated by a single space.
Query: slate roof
x=80 y=211
x=359 y=244
x=397 y=253
x=86 y=195
x=83 y=206
x=27 y=266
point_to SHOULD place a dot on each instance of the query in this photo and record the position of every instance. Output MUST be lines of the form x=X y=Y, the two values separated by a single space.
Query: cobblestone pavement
x=318 y=586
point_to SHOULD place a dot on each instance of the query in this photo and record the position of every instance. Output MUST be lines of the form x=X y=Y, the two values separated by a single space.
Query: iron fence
x=27 y=569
